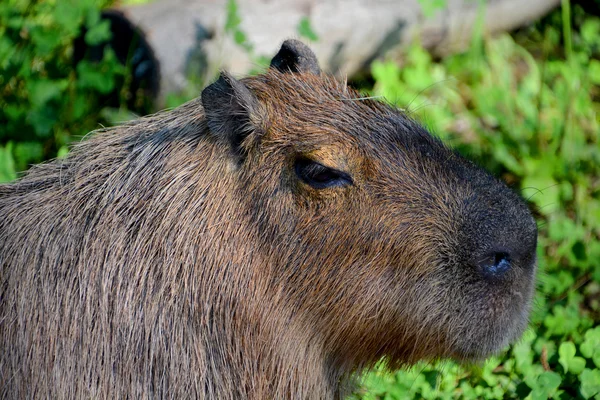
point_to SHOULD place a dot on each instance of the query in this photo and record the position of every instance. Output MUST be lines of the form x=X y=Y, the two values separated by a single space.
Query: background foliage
x=46 y=97
x=524 y=105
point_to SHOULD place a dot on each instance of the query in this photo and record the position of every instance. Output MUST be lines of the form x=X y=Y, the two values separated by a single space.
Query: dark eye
x=320 y=176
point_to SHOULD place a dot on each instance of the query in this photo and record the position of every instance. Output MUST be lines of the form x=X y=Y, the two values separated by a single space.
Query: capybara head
x=266 y=241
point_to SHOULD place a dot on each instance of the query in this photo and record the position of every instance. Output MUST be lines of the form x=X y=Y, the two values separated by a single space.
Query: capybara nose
x=517 y=253
x=500 y=234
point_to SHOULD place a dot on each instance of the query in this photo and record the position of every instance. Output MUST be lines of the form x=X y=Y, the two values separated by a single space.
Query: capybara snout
x=268 y=240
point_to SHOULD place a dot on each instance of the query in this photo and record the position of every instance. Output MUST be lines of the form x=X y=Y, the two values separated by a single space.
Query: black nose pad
x=495 y=265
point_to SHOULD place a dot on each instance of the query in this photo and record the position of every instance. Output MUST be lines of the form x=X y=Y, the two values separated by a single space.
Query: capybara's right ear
x=229 y=107
x=295 y=56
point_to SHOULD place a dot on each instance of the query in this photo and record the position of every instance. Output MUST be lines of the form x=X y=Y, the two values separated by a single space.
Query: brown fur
x=155 y=262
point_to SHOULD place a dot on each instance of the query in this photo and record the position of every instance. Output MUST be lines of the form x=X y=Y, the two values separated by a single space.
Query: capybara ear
x=295 y=56
x=229 y=107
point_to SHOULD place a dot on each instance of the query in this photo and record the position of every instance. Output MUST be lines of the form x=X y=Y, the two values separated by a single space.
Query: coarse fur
x=180 y=255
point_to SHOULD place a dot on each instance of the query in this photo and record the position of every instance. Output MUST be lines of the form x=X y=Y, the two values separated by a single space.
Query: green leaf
x=305 y=30
x=27 y=153
x=523 y=353
x=387 y=76
x=590 y=382
x=99 y=33
x=92 y=77
x=560 y=227
x=547 y=197
x=594 y=71
x=590 y=348
x=430 y=7
x=591 y=213
x=590 y=31
x=68 y=17
x=568 y=360
x=239 y=37
x=43 y=90
x=81 y=106
x=62 y=152
x=504 y=156
x=15 y=113
x=92 y=17
x=566 y=191
x=46 y=41
x=42 y=120
x=233 y=20
x=562 y=321
x=7 y=52
x=7 y=164
x=546 y=385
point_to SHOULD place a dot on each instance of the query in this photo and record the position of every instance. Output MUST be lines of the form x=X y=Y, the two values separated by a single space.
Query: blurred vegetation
x=48 y=93
x=524 y=105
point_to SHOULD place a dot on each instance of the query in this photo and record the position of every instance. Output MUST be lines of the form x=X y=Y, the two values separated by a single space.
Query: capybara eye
x=319 y=176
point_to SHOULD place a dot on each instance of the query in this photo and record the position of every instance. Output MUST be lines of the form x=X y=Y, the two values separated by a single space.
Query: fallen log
x=189 y=37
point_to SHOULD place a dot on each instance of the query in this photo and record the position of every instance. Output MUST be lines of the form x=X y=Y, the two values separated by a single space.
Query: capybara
x=269 y=240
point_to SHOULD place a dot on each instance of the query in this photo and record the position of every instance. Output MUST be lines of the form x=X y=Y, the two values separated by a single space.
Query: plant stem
x=566 y=25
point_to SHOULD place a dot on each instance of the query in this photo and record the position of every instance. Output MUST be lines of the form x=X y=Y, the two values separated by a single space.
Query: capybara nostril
x=495 y=265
